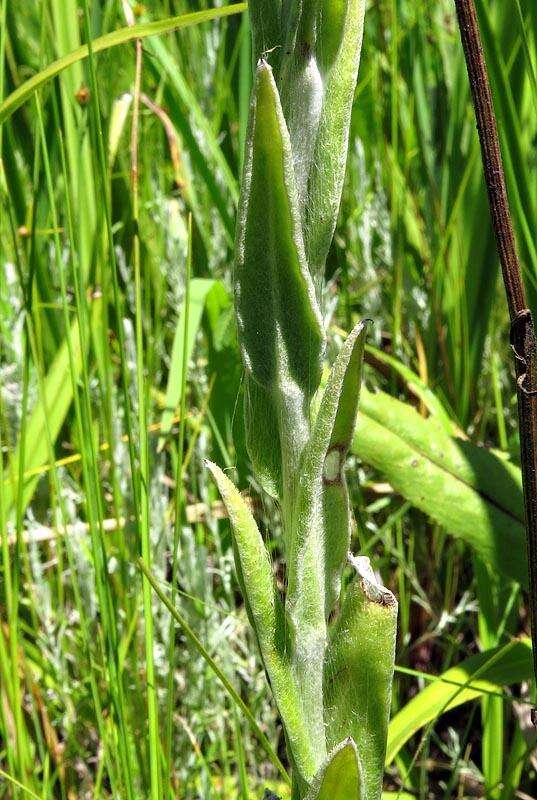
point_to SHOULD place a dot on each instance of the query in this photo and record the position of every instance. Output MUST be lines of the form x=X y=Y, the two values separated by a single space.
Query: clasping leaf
x=280 y=327
x=359 y=670
x=340 y=777
x=320 y=532
x=267 y=618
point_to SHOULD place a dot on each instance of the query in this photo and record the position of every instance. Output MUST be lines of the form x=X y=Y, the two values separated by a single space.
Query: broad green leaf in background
x=267 y=616
x=199 y=288
x=359 y=671
x=416 y=386
x=280 y=326
x=340 y=778
x=472 y=492
x=510 y=664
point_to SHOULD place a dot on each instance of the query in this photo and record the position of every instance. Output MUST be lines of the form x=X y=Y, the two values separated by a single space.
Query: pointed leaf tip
x=281 y=334
x=266 y=613
x=340 y=777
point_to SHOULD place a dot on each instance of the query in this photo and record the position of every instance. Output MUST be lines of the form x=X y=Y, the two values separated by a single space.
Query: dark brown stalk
x=522 y=336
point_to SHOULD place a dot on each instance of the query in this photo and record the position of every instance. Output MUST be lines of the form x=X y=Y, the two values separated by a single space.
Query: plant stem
x=522 y=334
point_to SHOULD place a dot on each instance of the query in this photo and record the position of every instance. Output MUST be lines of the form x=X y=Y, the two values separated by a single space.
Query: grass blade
x=507 y=665
x=230 y=689
x=17 y=98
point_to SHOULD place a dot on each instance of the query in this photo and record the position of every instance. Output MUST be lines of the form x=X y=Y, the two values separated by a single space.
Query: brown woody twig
x=522 y=334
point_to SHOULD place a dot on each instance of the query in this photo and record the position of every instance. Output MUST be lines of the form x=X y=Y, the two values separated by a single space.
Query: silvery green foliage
x=280 y=328
x=314 y=48
x=321 y=671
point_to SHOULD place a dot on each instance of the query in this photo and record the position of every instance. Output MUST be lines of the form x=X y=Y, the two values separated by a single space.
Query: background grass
x=119 y=374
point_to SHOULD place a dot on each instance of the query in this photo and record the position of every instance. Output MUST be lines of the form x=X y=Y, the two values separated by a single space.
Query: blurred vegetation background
x=96 y=295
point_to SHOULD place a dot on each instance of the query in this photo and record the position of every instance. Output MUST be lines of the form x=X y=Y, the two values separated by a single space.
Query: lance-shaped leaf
x=481 y=491
x=359 y=670
x=340 y=778
x=280 y=327
x=301 y=88
x=317 y=79
x=344 y=388
x=321 y=526
x=322 y=514
x=338 y=48
x=266 y=615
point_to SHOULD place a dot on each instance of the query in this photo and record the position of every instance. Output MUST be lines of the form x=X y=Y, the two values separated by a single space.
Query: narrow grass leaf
x=503 y=666
x=121 y=36
x=199 y=288
x=230 y=689
x=59 y=396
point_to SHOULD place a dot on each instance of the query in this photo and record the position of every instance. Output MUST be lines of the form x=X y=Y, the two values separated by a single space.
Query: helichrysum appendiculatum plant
x=329 y=660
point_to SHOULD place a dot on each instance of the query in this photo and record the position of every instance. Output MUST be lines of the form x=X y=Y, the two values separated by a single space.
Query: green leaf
x=301 y=88
x=332 y=20
x=322 y=516
x=344 y=24
x=398 y=796
x=416 y=386
x=343 y=388
x=340 y=778
x=49 y=412
x=481 y=492
x=359 y=670
x=267 y=617
x=503 y=666
x=121 y=36
x=320 y=42
x=319 y=534
x=280 y=327
x=265 y=16
x=199 y=288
